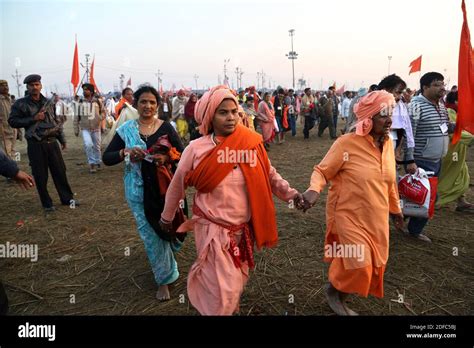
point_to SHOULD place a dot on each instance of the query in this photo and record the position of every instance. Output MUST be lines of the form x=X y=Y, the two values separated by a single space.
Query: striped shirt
x=426 y=121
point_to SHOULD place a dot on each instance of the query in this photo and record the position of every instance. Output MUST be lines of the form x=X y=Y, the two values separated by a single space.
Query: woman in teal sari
x=143 y=190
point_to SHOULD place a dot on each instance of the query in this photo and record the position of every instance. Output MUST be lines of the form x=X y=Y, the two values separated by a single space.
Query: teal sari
x=160 y=252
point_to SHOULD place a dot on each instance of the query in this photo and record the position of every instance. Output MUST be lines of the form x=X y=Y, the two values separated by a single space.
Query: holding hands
x=306 y=200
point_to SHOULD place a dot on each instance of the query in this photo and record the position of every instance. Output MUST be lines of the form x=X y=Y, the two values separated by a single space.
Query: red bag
x=418 y=194
x=434 y=190
x=411 y=187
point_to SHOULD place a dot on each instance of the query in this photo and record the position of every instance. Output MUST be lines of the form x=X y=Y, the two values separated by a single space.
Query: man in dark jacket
x=43 y=130
x=327 y=114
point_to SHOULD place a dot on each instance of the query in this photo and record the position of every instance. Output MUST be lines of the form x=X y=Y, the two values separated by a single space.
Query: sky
x=347 y=42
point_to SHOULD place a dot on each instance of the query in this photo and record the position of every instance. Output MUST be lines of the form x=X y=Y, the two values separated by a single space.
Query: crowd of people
x=218 y=143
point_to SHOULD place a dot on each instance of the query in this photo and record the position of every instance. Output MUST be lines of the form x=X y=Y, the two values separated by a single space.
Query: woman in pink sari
x=233 y=207
x=266 y=118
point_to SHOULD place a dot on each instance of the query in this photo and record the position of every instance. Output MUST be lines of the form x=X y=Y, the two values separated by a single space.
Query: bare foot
x=163 y=293
x=334 y=301
x=344 y=297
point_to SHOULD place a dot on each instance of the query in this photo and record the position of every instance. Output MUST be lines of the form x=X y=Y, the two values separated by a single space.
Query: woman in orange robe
x=361 y=169
x=233 y=207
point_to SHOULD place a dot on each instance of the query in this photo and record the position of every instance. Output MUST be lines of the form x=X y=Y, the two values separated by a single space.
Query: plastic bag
x=418 y=194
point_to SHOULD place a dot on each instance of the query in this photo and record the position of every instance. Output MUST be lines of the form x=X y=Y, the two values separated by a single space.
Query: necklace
x=148 y=126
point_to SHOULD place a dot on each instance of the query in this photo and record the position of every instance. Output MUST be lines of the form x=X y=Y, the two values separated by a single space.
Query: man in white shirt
x=345 y=106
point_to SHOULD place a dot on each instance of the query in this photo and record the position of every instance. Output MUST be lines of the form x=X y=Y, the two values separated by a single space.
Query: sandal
x=465 y=208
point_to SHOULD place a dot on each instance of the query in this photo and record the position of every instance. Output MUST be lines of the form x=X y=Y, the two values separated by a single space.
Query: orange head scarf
x=369 y=106
x=206 y=106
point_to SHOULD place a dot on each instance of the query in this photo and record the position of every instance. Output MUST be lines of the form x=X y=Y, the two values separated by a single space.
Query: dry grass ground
x=287 y=279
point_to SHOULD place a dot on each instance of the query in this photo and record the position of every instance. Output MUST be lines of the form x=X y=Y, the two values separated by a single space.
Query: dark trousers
x=3 y=300
x=46 y=155
x=416 y=224
x=327 y=121
x=193 y=132
x=292 y=124
x=334 y=120
x=308 y=125
x=165 y=116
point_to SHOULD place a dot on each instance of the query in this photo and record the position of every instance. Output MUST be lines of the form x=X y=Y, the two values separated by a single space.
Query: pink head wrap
x=206 y=107
x=369 y=106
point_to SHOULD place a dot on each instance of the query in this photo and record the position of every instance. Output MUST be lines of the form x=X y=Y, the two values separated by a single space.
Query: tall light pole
x=445 y=75
x=292 y=55
x=196 y=80
x=258 y=80
x=87 y=67
x=226 y=78
x=17 y=79
x=158 y=75
x=239 y=73
x=389 y=59
x=121 y=78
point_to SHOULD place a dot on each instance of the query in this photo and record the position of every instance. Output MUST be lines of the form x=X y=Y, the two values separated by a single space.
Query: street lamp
x=292 y=55
x=196 y=80
x=226 y=79
x=158 y=75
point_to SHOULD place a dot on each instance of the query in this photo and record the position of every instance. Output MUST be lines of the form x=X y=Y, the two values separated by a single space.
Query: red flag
x=415 y=65
x=92 y=81
x=75 y=69
x=341 y=90
x=465 y=117
x=129 y=83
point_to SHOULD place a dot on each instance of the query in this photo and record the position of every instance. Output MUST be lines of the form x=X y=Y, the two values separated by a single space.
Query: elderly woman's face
x=382 y=123
x=147 y=105
x=225 y=118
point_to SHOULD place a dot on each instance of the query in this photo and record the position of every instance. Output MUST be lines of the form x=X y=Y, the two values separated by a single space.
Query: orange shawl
x=119 y=107
x=205 y=177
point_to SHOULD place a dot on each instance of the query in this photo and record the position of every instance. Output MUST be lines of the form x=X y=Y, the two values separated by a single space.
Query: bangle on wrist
x=165 y=221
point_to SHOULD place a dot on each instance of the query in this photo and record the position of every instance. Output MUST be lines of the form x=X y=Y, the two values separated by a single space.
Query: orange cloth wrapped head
x=206 y=106
x=369 y=106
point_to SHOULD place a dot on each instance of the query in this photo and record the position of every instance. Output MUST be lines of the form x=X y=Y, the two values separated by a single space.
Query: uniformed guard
x=43 y=130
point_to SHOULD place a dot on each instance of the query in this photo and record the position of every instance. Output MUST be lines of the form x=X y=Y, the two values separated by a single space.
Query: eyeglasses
x=438 y=84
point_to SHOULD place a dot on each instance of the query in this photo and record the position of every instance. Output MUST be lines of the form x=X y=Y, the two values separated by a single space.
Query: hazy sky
x=344 y=41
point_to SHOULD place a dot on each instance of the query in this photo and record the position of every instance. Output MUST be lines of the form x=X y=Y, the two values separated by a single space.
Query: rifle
x=43 y=109
x=4 y=140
